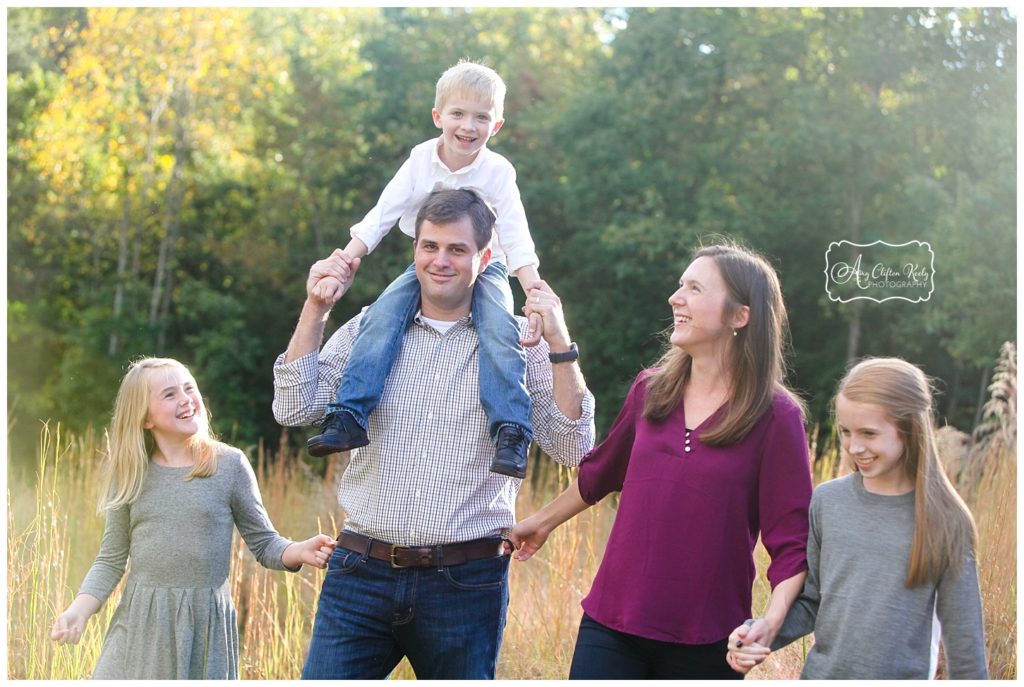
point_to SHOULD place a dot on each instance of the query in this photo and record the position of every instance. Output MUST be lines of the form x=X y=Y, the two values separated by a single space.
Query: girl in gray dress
x=174 y=496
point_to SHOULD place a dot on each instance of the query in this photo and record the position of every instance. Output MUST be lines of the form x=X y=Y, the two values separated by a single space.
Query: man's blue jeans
x=503 y=392
x=448 y=621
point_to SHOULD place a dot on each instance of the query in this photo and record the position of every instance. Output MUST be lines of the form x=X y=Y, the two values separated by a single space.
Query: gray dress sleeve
x=251 y=517
x=958 y=607
x=109 y=566
x=802 y=615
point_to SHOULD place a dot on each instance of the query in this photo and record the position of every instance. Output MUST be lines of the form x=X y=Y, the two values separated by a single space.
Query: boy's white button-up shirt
x=490 y=175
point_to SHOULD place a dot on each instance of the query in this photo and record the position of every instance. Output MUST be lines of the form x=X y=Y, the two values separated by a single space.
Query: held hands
x=315 y=551
x=331 y=277
x=328 y=290
x=534 y=330
x=749 y=645
x=544 y=304
x=528 y=536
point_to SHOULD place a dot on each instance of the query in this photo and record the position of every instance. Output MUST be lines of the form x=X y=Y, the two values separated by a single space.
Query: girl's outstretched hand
x=69 y=627
x=315 y=551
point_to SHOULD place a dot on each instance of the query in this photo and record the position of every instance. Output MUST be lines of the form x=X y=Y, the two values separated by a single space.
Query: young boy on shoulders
x=468 y=109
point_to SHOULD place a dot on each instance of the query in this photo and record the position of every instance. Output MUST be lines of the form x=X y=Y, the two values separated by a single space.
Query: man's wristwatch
x=572 y=354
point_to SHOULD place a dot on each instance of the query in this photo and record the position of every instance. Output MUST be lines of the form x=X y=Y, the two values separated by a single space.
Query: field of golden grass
x=54 y=533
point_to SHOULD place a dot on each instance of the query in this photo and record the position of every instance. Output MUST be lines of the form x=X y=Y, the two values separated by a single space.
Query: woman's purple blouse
x=679 y=563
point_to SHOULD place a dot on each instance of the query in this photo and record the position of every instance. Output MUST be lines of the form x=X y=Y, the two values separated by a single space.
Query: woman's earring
x=734 y=332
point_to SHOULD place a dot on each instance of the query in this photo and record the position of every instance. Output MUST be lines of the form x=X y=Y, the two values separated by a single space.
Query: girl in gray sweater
x=175 y=496
x=891 y=563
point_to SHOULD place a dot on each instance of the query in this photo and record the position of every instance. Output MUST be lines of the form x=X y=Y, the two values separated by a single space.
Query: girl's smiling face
x=872 y=441
x=175 y=405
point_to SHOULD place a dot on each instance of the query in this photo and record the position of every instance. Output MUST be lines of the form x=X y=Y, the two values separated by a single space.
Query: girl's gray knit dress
x=176 y=619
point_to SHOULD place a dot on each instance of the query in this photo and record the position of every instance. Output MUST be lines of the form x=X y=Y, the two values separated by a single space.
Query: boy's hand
x=69 y=627
x=534 y=330
x=315 y=551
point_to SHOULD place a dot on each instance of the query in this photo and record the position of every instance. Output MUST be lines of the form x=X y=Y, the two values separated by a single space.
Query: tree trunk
x=122 y=266
x=954 y=393
x=855 y=325
x=172 y=213
x=982 y=392
x=146 y=203
x=318 y=214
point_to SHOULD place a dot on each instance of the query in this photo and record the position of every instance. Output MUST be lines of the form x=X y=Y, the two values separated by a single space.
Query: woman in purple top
x=708 y=451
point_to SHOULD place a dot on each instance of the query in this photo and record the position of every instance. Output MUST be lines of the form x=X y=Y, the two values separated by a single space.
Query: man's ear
x=485 y=259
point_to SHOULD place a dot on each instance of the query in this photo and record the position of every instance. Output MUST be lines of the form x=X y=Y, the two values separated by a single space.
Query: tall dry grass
x=54 y=534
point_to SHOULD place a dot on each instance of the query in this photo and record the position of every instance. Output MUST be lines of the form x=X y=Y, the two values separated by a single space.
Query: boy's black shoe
x=339 y=432
x=510 y=458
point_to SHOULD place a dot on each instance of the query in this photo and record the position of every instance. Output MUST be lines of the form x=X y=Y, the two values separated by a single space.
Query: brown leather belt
x=422 y=556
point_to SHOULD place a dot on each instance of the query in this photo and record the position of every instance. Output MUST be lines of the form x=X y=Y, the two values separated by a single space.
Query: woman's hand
x=744 y=653
x=528 y=536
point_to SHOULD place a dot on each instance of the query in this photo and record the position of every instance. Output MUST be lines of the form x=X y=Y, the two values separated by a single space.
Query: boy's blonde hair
x=130 y=445
x=475 y=78
x=944 y=531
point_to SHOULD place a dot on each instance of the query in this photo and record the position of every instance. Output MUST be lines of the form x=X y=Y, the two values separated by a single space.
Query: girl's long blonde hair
x=130 y=445
x=756 y=354
x=944 y=531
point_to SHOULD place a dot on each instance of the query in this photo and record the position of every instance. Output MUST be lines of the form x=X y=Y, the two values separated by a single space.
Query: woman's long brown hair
x=755 y=357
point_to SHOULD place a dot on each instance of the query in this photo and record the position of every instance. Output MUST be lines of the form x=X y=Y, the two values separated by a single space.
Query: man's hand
x=329 y=279
x=309 y=332
x=542 y=300
x=533 y=332
x=328 y=290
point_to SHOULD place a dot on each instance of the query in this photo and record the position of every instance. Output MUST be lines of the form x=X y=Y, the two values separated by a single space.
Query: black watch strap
x=572 y=354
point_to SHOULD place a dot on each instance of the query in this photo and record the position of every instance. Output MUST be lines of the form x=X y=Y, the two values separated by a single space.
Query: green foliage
x=173 y=173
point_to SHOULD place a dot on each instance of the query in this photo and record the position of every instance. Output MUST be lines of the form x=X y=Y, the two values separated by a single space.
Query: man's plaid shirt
x=425 y=477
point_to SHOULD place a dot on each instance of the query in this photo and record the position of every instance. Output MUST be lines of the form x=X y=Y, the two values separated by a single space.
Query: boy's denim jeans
x=448 y=621
x=502 y=359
